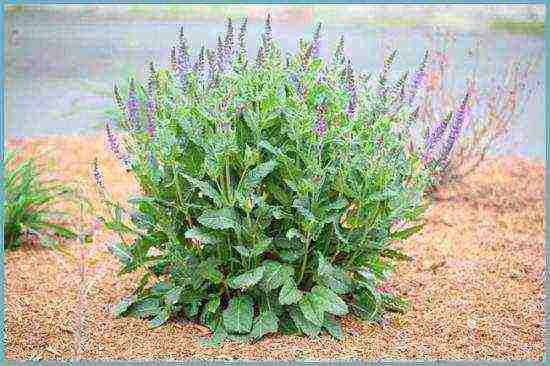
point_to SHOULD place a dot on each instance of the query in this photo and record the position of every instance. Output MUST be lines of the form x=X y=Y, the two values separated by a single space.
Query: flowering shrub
x=274 y=188
x=455 y=145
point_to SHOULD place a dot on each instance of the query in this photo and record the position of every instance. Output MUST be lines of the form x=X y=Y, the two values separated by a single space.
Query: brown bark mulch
x=475 y=284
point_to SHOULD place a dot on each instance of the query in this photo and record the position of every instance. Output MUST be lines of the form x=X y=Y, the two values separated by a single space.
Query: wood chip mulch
x=475 y=284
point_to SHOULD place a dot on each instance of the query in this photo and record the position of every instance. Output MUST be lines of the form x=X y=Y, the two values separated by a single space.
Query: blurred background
x=61 y=60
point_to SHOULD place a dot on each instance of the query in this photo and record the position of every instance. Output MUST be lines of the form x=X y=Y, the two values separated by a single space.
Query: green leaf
x=395 y=254
x=122 y=252
x=159 y=320
x=394 y=303
x=205 y=188
x=333 y=327
x=213 y=304
x=289 y=294
x=255 y=176
x=275 y=275
x=218 y=335
x=312 y=308
x=237 y=318
x=247 y=279
x=243 y=251
x=173 y=296
x=123 y=305
x=208 y=271
x=219 y=219
x=406 y=233
x=331 y=302
x=265 y=323
x=202 y=235
x=293 y=233
x=334 y=277
x=146 y=308
x=304 y=325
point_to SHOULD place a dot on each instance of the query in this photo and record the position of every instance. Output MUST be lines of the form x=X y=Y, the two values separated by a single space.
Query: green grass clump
x=29 y=204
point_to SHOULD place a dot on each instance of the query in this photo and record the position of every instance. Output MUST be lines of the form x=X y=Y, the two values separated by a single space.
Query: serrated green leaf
x=237 y=318
x=122 y=252
x=312 y=308
x=289 y=294
x=247 y=279
x=206 y=188
x=202 y=236
x=213 y=304
x=330 y=302
x=333 y=327
x=293 y=233
x=173 y=296
x=219 y=219
x=264 y=324
x=395 y=254
x=333 y=277
x=145 y=308
x=124 y=305
x=255 y=176
x=159 y=320
x=275 y=275
x=208 y=271
x=219 y=334
x=304 y=325
x=406 y=233
x=243 y=251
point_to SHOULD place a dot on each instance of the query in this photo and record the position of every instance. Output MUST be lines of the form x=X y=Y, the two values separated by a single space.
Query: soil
x=475 y=283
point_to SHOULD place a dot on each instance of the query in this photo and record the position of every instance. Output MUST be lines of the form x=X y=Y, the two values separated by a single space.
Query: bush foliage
x=274 y=188
x=30 y=200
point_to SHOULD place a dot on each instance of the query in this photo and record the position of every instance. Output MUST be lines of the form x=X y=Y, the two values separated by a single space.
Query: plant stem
x=304 y=262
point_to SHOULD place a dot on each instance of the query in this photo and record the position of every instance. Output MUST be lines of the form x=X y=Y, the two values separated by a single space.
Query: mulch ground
x=475 y=285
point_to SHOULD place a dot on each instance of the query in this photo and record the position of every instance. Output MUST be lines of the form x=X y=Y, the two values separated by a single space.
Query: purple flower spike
x=316 y=44
x=455 y=128
x=132 y=106
x=112 y=140
x=151 y=106
x=267 y=29
x=98 y=177
x=320 y=127
x=435 y=135
x=351 y=109
x=182 y=58
x=242 y=40
x=260 y=59
x=114 y=146
x=418 y=78
x=228 y=43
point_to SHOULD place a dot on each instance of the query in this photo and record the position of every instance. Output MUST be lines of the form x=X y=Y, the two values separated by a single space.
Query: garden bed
x=475 y=284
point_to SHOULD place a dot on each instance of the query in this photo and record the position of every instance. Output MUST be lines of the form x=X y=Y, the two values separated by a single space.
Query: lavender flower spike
x=320 y=127
x=455 y=128
x=151 y=107
x=182 y=58
x=228 y=42
x=242 y=40
x=418 y=78
x=435 y=135
x=316 y=44
x=132 y=106
x=98 y=177
x=267 y=29
x=114 y=146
